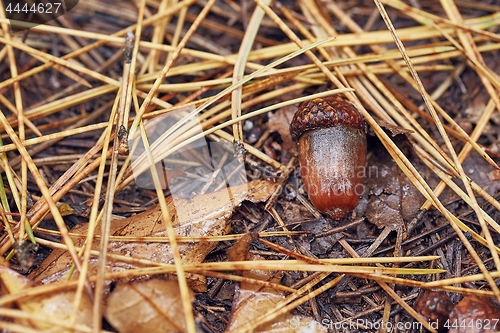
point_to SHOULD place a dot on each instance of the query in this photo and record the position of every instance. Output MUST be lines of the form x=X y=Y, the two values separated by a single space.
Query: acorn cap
x=325 y=112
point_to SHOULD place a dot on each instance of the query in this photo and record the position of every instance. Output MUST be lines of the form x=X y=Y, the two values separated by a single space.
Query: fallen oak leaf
x=252 y=301
x=204 y=215
x=57 y=306
x=144 y=306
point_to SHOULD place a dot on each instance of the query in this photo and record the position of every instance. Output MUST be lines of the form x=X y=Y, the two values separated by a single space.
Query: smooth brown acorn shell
x=332 y=153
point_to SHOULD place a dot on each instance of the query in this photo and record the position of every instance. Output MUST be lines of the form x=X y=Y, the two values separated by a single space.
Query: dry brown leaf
x=392 y=199
x=252 y=301
x=279 y=121
x=57 y=306
x=146 y=306
x=203 y=216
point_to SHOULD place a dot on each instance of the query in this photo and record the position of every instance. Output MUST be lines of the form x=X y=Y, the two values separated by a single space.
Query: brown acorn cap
x=325 y=112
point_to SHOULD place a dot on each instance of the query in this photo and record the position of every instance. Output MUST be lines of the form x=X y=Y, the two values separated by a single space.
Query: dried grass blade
x=239 y=69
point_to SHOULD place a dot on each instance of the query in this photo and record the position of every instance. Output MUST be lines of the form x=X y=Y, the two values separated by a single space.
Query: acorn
x=474 y=315
x=435 y=307
x=331 y=137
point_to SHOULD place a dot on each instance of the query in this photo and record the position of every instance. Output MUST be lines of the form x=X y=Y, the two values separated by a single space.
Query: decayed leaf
x=57 y=306
x=252 y=301
x=279 y=121
x=392 y=198
x=146 y=306
x=204 y=215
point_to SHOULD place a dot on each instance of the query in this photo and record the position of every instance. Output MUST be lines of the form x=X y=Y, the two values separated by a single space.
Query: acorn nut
x=435 y=307
x=474 y=315
x=330 y=133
